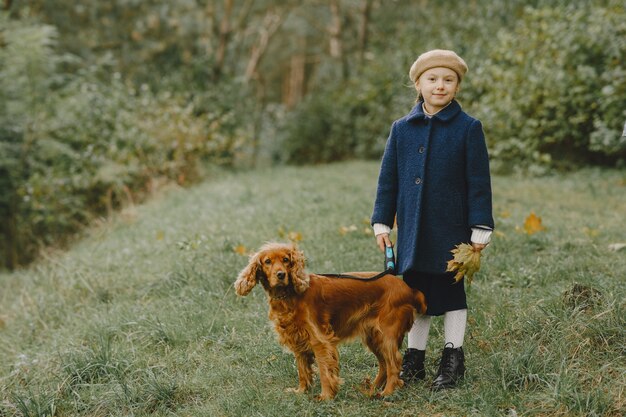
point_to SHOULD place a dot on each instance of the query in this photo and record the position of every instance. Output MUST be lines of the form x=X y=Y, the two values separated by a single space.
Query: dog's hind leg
x=394 y=328
x=374 y=340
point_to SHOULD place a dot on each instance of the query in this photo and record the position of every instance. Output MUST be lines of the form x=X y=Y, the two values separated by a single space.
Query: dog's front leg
x=327 y=358
x=304 y=362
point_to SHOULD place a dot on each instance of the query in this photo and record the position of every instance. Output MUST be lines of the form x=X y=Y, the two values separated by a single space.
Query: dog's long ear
x=298 y=275
x=247 y=278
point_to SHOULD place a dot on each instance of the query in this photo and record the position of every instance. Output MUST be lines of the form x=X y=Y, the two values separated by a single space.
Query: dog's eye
x=286 y=260
x=268 y=261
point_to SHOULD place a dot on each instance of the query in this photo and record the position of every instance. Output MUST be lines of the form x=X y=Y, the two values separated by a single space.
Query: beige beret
x=438 y=58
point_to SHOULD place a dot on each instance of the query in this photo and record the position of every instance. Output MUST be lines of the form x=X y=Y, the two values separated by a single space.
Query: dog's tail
x=419 y=301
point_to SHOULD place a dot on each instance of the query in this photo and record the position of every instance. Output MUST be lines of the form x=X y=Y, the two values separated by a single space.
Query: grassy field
x=140 y=317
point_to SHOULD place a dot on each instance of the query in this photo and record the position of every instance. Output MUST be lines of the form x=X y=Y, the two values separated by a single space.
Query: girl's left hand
x=478 y=246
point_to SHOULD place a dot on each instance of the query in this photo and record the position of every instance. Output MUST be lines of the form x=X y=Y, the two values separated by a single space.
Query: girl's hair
x=419 y=97
x=411 y=85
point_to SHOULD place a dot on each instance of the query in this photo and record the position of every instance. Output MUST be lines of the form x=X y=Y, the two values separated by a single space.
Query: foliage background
x=101 y=103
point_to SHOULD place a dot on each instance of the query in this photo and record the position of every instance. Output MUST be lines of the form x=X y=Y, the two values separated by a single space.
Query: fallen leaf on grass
x=617 y=246
x=291 y=235
x=591 y=232
x=465 y=262
x=240 y=249
x=344 y=230
x=532 y=224
x=294 y=236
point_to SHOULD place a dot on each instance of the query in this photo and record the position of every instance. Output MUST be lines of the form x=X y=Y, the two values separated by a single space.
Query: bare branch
x=271 y=23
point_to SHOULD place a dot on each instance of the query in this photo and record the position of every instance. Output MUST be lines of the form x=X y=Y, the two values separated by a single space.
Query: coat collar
x=445 y=115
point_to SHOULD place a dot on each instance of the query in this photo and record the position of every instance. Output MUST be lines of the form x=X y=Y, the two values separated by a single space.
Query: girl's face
x=438 y=87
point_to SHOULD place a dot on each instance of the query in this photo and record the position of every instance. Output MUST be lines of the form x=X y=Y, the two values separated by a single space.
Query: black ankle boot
x=413 y=365
x=451 y=368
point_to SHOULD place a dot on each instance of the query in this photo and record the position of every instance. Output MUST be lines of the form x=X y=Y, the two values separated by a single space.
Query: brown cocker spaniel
x=312 y=314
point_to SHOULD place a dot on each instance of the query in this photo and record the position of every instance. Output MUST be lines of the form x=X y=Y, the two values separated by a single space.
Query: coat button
x=421 y=149
x=418 y=180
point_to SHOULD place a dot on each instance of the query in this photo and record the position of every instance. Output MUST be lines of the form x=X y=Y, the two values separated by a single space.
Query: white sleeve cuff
x=380 y=228
x=482 y=236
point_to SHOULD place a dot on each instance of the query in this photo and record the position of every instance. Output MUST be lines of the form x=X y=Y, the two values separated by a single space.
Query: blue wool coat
x=434 y=178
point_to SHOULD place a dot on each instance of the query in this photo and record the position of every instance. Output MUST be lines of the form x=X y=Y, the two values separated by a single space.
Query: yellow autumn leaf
x=532 y=224
x=343 y=230
x=465 y=262
x=294 y=236
x=591 y=232
x=240 y=249
x=160 y=235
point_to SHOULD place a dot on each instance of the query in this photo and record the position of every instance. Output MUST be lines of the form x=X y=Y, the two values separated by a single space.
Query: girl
x=434 y=179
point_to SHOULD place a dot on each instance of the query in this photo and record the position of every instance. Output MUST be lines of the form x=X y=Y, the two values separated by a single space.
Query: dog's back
x=348 y=304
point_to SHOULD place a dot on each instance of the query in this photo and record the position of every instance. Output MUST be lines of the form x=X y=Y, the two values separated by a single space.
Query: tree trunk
x=224 y=37
x=366 y=9
x=336 y=45
x=257 y=126
x=295 y=86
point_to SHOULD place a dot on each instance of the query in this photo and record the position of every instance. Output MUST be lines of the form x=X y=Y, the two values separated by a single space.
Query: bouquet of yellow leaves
x=465 y=262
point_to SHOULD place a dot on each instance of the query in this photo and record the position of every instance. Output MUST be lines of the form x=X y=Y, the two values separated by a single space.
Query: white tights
x=454 y=323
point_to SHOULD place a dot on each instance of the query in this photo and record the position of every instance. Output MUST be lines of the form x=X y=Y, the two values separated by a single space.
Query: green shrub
x=348 y=119
x=75 y=146
x=553 y=91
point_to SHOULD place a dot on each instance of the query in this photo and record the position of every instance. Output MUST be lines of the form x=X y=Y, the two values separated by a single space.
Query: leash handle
x=390 y=259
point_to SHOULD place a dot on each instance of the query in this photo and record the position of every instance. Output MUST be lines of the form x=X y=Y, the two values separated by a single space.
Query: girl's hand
x=383 y=240
x=478 y=246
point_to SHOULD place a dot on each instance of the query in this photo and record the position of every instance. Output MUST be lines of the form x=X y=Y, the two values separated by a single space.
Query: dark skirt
x=441 y=292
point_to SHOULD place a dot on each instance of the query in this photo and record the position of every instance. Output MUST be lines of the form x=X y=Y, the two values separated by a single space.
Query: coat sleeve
x=478 y=178
x=387 y=190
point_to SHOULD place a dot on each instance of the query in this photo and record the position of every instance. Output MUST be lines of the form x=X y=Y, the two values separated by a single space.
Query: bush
x=553 y=91
x=346 y=120
x=75 y=146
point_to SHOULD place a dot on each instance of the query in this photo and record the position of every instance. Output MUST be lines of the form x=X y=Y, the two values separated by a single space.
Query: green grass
x=140 y=317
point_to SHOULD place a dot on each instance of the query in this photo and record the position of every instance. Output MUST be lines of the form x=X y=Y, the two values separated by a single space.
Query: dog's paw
x=365 y=388
x=298 y=390
x=323 y=397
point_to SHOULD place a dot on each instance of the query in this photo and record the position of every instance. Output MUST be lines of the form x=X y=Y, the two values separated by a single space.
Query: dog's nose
x=280 y=275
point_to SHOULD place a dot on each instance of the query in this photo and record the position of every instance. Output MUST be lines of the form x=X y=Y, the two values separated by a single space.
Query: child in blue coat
x=434 y=182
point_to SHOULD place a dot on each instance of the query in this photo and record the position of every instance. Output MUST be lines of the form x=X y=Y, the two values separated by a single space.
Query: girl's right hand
x=383 y=240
